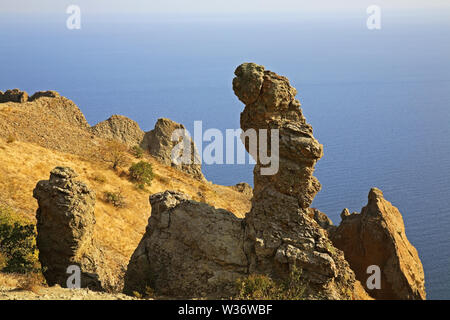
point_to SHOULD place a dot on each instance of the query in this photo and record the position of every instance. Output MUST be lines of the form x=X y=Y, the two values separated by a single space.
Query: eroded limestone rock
x=119 y=128
x=190 y=249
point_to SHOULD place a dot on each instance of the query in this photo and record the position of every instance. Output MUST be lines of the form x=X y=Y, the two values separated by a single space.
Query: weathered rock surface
x=377 y=236
x=160 y=145
x=119 y=128
x=280 y=231
x=47 y=102
x=190 y=249
x=14 y=95
x=65 y=225
x=244 y=188
x=321 y=218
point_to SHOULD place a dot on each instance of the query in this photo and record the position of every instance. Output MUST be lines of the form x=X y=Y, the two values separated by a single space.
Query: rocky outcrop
x=47 y=104
x=14 y=95
x=65 y=225
x=119 y=128
x=321 y=218
x=280 y=231
x=190 y=249
x=60 y=108
x=159 y=144
x=376 y=236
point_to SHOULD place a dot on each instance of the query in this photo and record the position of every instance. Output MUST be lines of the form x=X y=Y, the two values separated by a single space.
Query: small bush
x=115 y=198
x=137 y=152
x=262 y=287
x=18 y=252
x=141 y=173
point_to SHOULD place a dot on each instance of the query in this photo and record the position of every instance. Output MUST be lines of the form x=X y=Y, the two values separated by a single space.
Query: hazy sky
x=211 y=6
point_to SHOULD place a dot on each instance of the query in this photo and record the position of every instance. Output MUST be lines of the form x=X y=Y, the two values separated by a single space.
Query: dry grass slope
x=42 y=142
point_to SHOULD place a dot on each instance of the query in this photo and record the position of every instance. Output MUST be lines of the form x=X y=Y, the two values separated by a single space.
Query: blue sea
x=378 y=100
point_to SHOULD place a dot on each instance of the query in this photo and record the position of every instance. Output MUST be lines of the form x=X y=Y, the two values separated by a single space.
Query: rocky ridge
x=119 y=128
x=159 y=143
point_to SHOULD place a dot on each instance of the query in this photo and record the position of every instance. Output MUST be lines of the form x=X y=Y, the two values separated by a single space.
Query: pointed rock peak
x=63 y=172
x=248 y=82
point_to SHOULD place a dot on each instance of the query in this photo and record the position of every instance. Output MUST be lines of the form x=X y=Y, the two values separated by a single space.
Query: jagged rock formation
x=66 y=126
x=377 y=236
x=48 y=94
x=280 y=233
x=47 y=102
x=65 y=225
x=244 y=188
x=190 y=249
x=14 y=95
x=119 y=128
x=193 y=249
x=160 y=145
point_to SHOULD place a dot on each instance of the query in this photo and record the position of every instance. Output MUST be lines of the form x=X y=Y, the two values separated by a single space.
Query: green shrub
x=137 y=152
x=115 y=198
x=18 y=252
x=262 y=287
x=141 y=173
